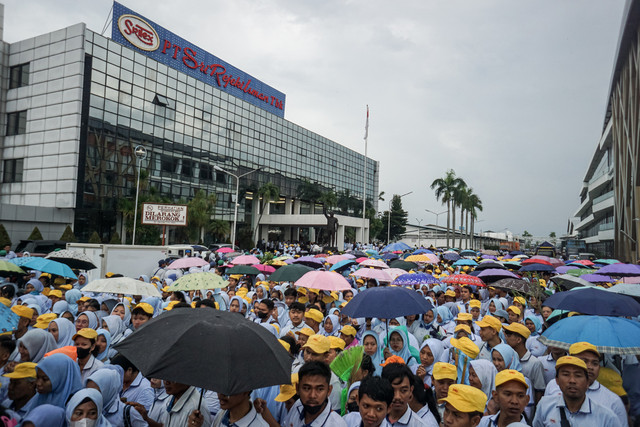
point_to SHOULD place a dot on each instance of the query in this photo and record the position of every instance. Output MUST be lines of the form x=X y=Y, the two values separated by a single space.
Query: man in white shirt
x=511 y=397
x=400 y=414
x=237 y=410
x=464 y=406
x=374 y=398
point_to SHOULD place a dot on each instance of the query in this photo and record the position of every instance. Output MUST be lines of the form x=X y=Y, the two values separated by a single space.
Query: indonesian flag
x=366 y=126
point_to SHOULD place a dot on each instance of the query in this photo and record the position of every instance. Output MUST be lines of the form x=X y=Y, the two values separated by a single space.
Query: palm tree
x=445 y=189
x=200 y=211
x=219 y=228
x=469 y=205
x=463 y=200
x=269 y=192
x=474 y=205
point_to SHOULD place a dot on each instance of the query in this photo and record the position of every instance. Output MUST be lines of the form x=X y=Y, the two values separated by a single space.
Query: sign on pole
x=163 y=214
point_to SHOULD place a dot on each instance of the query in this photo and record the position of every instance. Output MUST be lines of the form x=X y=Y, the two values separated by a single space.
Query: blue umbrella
x=8 y=319
x=20 y=261
x=371 y=252
x=594 y=301
x=49 y=266
x=602 y=331
x=537 y=267
x=341 y=265
x=451 y=256
x=386 y=302
x=411 y=279
x=390 y=256
x=421 y=251
x=398 y=246
x=467 y=262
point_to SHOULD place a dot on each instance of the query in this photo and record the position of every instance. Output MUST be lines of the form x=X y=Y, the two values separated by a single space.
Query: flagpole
x=364 y=179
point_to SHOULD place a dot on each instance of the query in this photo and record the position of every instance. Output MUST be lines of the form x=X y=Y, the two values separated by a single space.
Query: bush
x=68 y=235
x=4 y=237
x=115 y=239
x=95 y=238
x=35 y=234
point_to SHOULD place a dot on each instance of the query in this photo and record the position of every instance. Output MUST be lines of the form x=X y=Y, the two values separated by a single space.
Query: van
x=179 y=251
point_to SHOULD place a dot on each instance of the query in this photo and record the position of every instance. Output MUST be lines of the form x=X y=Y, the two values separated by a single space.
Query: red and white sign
x=138 y=32
x=161 y=214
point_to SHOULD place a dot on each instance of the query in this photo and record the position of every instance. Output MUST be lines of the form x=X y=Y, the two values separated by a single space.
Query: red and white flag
x=366 y=126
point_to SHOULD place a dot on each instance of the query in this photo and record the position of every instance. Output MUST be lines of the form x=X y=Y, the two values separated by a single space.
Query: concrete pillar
x=264 y=232
x=340 y=238
x=255 y=215
x=287 y=233
x=296 y=206
x=288 y=206
x=312 y=234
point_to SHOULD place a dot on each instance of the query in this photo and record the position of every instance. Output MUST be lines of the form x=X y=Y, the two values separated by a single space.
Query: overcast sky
x=509 y=94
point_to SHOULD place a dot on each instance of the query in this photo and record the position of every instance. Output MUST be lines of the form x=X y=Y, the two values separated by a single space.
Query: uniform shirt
x=178 y=411
x=290 y=328
x=139 y=391
x=408 y=419
x=532 y=368
x=327 y=417
x=250 y=420
x=425 y=414
x=485 y=351
x=354 y=419
x=548 y=368
x=600 y=394
x=492 y=420
x=535 y=346
x=19 y=413
x=590 y=414
x=92 y=365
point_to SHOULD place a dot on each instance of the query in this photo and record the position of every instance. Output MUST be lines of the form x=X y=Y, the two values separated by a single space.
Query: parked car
x=39 y=247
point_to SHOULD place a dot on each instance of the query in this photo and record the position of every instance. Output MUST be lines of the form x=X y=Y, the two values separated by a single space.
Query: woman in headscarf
x=108 y=381
x=155 y=302
x=116 y=328
x=87 y=319
x=35 y=344
x=34 y=286
x=505 y=357
x=429 y=327
x=108 y=305
x=261 y=292
x=63 y=331
x=373 y=349
x=238 y=305
x=103 y=344
x=398 y=345
x=86 y=404
x=494 y=304
x=482 y=374
x=57 y=377
x=445 y=320
x=45 y=416
x=535 y=326
x=331 y=326
x=83 y=279
x=431 y=351
x=60 y=307
x=123 y=310
x=72 y=296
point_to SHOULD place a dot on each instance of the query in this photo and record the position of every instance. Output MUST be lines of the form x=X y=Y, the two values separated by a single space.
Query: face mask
x=262 y=314
x=83 y=352
x=312 y=410
x=352 y=407
x=85 y=422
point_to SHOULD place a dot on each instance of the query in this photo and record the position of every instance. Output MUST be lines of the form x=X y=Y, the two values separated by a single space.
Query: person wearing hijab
x=482 y=374
x=398 y=345
x=83 y=279
x=429 y=327
x=116 y=328
x=108 y=381
x=35 y=344
x=87 y=319
x=57 y=377
x=34 y=286
x=103 y=344
x=62 y=331
x=86 y=404
x=124 y=312
x=331 y=326
x=45 y=416
x=445 y=320
x=533 y=345
x=505 y=357
x=72 y=296
x=371 y=344
x=431 y=351
x=108 y=305
x=60 y=307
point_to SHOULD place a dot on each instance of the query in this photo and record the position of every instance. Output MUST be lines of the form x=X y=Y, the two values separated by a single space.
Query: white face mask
x=85 y=422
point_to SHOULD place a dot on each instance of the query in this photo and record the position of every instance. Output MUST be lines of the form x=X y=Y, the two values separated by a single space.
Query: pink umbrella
x=245 y=260
x=635 y=280
x=336 y=258
x=358 y=260
x=555 y=262
x=373 y=273
x=324 y=281
x=187 y=263
x=349 y=256
x=265 y=268
x=374 y=263
x=224 y=250
x=395 y=272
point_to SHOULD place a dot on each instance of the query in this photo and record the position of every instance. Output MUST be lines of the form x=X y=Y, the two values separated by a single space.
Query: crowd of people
x=474 y=359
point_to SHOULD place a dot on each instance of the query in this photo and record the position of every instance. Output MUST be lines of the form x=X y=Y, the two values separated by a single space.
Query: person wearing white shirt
x=374 y=399
x=401 y=379
x=511 y=397
x=237 y=410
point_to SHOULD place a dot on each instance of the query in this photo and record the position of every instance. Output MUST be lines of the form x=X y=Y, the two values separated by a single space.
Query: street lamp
x=235 y=209
x=141 y=154
x=437 y=216
x=419 y=231
x=389 y=218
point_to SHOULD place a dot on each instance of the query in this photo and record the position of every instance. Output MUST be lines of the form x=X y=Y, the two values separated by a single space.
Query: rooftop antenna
x=108 y=21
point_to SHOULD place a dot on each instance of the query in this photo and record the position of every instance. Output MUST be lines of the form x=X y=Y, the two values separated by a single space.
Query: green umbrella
x=580 y=271
x=289 y=273
x=243 y=269
x=8 y=268
x=198 y=281
x=606 y=261
x=404 y=265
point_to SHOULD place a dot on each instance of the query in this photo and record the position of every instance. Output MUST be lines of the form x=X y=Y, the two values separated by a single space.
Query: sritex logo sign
x=138 y=32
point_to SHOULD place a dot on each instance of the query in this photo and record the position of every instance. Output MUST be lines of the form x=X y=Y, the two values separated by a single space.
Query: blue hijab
x=511 y=358
x=405 y=351
x=445 y=315
x=95 y=396
x=46 y=416
x=72 y=296
x=105 y=354
x=497 y=303
x=60 y=307
x=38 y=342
x=335 y=322
x=376 y=358
x=93 y=319
x=110 y=384
x=536 y=323
x=66 y=331
x=64 y=375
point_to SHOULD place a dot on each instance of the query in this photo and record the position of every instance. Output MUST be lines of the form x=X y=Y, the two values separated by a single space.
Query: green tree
x=4 y=237
x=268 y=193
x=219 y=229
x=35 y=234
x=473 y=204
x=115 y=239
x=446 y=189
x=199 y=211
x=398 y=220
x=527 y=239
x=329 y=199
x=95 y=238
x=309 y=191
x=553 y=237
x=68 y=235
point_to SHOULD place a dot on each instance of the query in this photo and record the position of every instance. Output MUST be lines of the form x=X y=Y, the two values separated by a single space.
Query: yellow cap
x=611 y=380
x=23 y=311
x=444 y=371
x=170 y=305
x=314 y=291
x=507 y=375
x=23 y=370
x=336 y=342
x=302 y=291
x=518 y=328
x=47 y=275
x=45 y=291
x=55 y=293
x=44 y=320
x=465 y=328
x=66 y=287
x=466 y=398
x=165 y=289
x=490 y=322
x=450 y=293
x=521 y=300
x=145 y=307
x=58 y=281
x=361 y=281
x=87 y=333
x=580 y=347
x=474 y=303
x=193 y=304
x=242 y=291
x=286 y=345
x=348 y=330
x=572 y=361
x=467 y=346
x=83 y=299
x=236 y=276
x=5 y=301
x=314 y=314
x=287 y=391
x=465 y=317
x=318 y=344
x=306 y=331
x=109 y=274
x=515 y=309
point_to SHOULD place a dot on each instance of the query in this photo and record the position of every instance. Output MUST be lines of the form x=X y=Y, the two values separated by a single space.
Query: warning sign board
x=162 y=214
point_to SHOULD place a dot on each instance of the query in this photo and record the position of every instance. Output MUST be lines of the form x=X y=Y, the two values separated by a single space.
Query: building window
x=19 y=76
x=16 y=123
x=12 y=171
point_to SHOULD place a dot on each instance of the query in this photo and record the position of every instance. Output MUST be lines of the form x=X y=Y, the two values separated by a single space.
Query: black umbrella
x=73 y=259
x=212 y=349
x=289 y=273
x=512 y=284
x=243 y=269
x=594 y=301
x=490 y=264
x=359 y=254
x=403 y=265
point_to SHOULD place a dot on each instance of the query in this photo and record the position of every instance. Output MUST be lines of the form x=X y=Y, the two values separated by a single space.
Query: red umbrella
x=463 y=279
x=583 y=262
x=535 y=261
x=359 y=260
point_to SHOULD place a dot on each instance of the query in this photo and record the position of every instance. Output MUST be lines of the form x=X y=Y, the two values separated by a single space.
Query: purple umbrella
x=310 y=261
x=597 y=278
x=411 y=279
x=620 y=269
x=489 y=257
x=565 y=268
x=494 y=274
